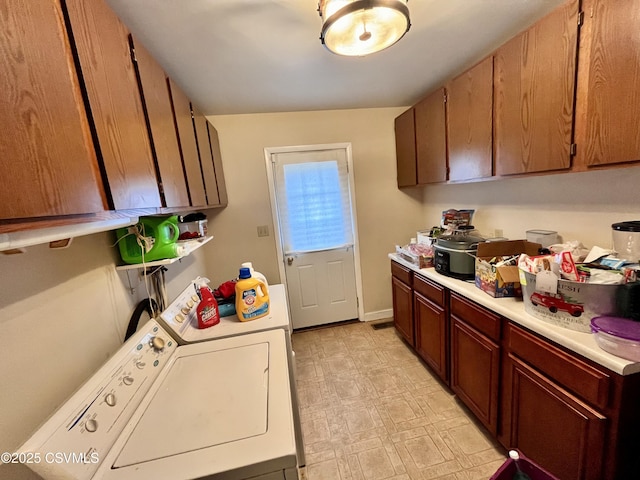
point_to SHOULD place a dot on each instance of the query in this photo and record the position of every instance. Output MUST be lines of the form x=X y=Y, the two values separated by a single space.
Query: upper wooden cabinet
x=109 y=76
x=211 y=169
x=164 y=141
x=470 y=123
x=608 y=97
x=405 y=129
x=534 y=81
x=48 y=164
x=217 y=164
x=188 y=145
x=431 y=141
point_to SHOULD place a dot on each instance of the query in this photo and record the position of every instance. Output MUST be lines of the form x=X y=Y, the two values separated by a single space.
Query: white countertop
x=513 y=309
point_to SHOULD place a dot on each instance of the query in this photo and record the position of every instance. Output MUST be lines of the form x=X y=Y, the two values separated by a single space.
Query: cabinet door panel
x=431 y=142
x=217 y=164
x=470 y=123
x=431 y=334
x=206 y=158
x=609 y=84
x=552 y=427
x=48 y=163
x=403 y=309
x=475 y=369
x=157 y=102
x=188 y=146
x=112 y=87
x=534 y=95
x=406 y=149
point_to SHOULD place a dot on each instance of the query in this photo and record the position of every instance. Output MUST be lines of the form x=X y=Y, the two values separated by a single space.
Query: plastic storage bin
x=618 y=336
x=535 y=472
x=545 y=238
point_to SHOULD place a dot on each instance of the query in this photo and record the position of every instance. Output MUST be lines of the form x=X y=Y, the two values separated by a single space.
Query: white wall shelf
x=190 y=246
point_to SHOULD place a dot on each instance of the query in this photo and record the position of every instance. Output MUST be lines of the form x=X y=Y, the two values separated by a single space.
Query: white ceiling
x=256 y=56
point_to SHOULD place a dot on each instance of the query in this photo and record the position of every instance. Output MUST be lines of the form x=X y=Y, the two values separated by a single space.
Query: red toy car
x=555 y=303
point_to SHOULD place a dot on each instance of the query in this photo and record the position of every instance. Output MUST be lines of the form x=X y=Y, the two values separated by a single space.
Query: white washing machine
x=180 y=320
x=215 y=410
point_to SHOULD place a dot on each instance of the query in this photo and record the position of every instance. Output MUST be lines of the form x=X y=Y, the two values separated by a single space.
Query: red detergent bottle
x=207 y=311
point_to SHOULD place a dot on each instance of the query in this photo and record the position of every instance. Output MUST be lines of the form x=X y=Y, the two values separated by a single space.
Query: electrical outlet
x=263 y=230
x=498 y=232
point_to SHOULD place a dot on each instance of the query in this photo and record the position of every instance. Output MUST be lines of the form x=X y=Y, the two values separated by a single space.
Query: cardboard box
x=501 y=280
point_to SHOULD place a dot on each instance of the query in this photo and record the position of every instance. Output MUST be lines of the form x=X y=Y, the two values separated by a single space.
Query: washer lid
x=206 y=399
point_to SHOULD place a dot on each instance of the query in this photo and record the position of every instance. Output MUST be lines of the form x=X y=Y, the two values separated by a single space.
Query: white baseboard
x=379 y=315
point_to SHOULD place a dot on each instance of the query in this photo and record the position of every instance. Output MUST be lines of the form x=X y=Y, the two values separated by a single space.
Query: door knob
x=289 y=261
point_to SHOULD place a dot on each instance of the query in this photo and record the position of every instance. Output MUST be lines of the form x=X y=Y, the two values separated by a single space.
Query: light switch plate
x=263 y=230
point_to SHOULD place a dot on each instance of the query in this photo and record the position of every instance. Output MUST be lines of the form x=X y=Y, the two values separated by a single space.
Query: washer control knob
x=91 y=425
x=179 y=318
x=190 y=303
x=195 y=298
x=157 y=344
x=140 y=364
x=110 y=399
x=127 y=380
x=185 y=310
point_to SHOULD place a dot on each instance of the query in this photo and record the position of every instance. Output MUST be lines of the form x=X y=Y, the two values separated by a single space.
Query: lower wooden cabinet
x=571 y=416
x=431 y=335
x=402 y=294
x=552 y=427
x=475 y=359
x=431 y=319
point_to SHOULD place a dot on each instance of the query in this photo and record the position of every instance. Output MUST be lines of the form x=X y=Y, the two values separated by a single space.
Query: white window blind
x=312 y=193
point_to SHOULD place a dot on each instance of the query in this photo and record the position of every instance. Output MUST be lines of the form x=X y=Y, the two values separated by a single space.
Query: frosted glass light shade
x=362 y=27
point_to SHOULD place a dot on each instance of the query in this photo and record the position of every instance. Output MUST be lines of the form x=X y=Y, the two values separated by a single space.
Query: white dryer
x=180 y=320
x=216 y=410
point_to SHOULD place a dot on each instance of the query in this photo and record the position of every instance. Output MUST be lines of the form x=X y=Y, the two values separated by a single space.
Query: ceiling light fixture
x=362 y=27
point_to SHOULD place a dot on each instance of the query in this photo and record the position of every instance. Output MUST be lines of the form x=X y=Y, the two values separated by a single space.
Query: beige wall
x=579 y=206
x=385 y=215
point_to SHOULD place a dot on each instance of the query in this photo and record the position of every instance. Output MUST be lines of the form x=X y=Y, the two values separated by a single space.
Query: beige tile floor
x=371 y=409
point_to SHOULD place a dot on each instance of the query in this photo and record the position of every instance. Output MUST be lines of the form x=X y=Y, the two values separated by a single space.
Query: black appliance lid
x=630 y=226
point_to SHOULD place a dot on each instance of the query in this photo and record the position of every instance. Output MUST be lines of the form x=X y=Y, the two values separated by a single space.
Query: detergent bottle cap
x=244 y=273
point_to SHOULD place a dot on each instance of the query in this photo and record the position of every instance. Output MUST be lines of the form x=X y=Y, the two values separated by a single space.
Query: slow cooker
x=454 y=255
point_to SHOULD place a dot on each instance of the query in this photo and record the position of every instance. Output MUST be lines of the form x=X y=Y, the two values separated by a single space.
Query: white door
x=314 y=216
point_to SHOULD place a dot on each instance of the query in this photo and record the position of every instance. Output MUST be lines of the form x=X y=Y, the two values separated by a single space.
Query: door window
x=313 y=201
